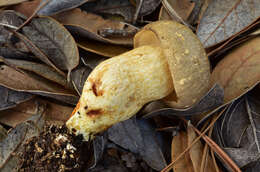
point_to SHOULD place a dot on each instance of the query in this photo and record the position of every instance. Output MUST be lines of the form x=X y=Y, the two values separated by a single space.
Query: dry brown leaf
x=10 y=2
x=224 y=18
x=54 y=112
x=88 y=25
x=108 y=50
x=26 y=8
x=182 y=7
x=191 y=161
x=179 y=144
x=41 y=70
x=196 y=153
x=239 y=70
x=55 y=41
x=19 y=81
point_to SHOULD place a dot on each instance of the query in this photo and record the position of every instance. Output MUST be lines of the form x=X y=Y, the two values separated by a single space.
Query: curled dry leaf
x=11 y=98
x=56 y=113
x=89 y=25
x=31 y=83
x=239 y=70
x=211 y=100
x=56 y=6
x=55 y=41
x=191 y=160
x=122 y=8
x=41 y=70
x=108 y=50
x=224 y=18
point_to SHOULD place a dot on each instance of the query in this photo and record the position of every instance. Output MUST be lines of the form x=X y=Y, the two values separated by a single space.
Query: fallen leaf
x=11 y=98
x=41 y=70
x=91 y=60
x=57 y=6
x=211 y=100
x=147 y=6
x=14 y=19
x=179 y=144
x=79 y=77
x=98 y=146
x=89 y=25
x=237 y=132
x=108 y=50
x=191 y=160
x=55 y=41
x=9 y=52
x=37 y=52
x=3 y=132
x=139 y=137
x=12 y=144
x=10 y=2
x=196 y=153
x=181 y=8
x=31 y=83
x=120 y=7
x=26 y=8
x=225 y=18
x=233 y=72
x=56 y=113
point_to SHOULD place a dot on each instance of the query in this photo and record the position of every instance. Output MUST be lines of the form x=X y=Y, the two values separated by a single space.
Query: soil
x=55 y=150
x=58 y=150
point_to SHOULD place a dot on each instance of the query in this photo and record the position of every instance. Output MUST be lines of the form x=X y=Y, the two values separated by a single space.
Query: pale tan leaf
x=108 y=50
x=54 y=112
x=179 y=144
x=196 y=153
x=239 y=70
x=89 y=25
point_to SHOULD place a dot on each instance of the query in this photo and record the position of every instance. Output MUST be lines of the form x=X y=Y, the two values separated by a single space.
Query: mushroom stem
x=119 y=87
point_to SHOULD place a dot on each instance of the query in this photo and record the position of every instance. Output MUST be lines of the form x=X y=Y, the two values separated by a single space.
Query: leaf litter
x=70 y=38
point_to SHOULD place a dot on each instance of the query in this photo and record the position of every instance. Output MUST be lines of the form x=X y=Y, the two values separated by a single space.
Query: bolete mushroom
x=168 y=61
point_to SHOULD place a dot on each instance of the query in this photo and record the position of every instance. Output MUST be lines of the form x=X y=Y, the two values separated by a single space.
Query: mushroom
x=168 y=61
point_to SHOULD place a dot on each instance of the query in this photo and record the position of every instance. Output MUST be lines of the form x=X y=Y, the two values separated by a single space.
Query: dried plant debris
x=11 y=98
x=238 y=132
x=11 y=145
x=54 y=51
x=223 y=19
x=209 y=101
x=140 y=137
x=55 y=149
x=56 y=6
